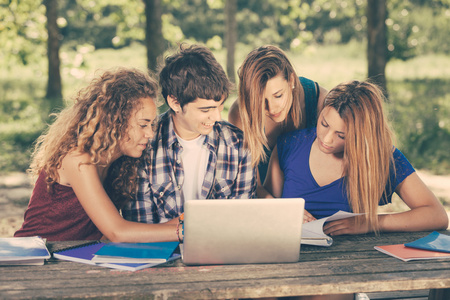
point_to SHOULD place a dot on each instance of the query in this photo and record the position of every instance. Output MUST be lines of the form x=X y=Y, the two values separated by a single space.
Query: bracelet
x=178 y=232
x=181 y=218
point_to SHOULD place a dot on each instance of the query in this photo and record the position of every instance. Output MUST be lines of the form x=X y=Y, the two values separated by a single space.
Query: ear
x=173 y=103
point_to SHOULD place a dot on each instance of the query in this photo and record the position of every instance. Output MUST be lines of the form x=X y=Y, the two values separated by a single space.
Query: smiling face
x=331 y=131
x=195 y=118
x=140 y=129
x=278 y=98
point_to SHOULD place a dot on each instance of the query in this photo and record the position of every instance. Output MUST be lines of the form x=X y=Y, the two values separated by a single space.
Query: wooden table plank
x=220 y=287
x=350 y=265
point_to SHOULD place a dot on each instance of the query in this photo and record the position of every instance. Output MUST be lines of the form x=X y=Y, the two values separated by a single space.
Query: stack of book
x=23 y=251
x=433 y=246
x=123 y=256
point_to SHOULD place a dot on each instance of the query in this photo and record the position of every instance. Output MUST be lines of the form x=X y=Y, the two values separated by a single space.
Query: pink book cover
x=406 y=253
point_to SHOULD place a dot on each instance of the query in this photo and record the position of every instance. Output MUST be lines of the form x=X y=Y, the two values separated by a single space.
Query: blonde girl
x=272 y=100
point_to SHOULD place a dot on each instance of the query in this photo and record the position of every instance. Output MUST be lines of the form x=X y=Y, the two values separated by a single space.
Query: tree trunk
x=377 y=42
x=154 y=40
x=54 y=87
x=231 y=37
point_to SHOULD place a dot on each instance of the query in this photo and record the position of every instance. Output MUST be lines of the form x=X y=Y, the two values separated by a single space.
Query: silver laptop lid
x=242 y=231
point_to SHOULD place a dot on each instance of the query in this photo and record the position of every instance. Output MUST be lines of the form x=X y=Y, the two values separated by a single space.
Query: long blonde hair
x=95 y=124
x=368 y=152
x=261 y=65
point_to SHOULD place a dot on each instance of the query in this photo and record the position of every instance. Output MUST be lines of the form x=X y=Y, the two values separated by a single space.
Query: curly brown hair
x=95 y=124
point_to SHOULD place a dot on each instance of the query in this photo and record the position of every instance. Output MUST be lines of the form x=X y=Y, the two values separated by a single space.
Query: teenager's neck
x=181 y=131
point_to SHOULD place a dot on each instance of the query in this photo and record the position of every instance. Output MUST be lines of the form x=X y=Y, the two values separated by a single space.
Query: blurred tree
x=417 y=27
x=102 y=23
x=154 y=39
x=231 y=36
x=414 y=27
x=377 y=43
x=54 y=88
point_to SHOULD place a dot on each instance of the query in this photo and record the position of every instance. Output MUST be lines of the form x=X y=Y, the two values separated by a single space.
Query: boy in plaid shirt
x=194 y=153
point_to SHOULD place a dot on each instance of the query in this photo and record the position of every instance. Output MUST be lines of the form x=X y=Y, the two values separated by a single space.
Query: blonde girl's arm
x=233 y=115
x=86 y=183
x=274 y=181
x=323 y=93
x=426 y=213
x=235 y=119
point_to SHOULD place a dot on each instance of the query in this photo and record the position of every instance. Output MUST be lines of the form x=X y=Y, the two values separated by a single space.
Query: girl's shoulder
x=403 y=168
x=73 y=160
x=77 y=156
x=234 y=115
x=298 y=135
x=293 y=140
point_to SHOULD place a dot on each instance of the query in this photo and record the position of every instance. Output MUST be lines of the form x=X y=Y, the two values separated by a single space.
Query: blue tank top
x=311 y=99
x=322 y=201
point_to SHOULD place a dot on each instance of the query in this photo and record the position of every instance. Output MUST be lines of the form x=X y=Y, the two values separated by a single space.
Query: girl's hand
x=307 y=217
x=346 y=226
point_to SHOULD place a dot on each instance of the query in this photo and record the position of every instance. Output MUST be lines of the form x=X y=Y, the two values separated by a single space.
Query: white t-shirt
x=194 y=158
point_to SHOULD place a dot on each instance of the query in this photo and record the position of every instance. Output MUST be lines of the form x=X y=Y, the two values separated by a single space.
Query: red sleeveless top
x=56 y=215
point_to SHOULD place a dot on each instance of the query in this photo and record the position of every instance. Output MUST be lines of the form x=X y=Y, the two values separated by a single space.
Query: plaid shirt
x=229 y=173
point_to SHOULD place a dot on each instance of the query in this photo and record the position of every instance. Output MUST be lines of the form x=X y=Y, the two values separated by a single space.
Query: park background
x=327 y=41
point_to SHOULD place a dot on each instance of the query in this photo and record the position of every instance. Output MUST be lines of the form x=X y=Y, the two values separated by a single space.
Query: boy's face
x=197 y=117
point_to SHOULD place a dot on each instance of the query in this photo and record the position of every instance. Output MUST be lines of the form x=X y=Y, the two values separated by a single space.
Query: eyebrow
x=280 y=90
x=212 y=106
x=147 y=120
x=340 y=132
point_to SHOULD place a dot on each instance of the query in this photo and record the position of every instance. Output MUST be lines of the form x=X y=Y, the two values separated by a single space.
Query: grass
x=419 y=96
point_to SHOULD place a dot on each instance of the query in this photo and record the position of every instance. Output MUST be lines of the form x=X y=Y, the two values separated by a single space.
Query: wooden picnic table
x=350 y=265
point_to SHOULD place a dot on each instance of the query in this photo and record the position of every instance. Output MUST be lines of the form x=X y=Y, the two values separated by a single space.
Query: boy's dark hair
x=191 y=73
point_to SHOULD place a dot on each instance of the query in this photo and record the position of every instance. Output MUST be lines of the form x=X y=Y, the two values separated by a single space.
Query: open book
x=312 y=232
x=23 y=251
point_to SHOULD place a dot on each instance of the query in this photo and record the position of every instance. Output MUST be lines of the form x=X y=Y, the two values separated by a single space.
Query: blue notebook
x=135 y=252
x=435 y=241
x=85 y=252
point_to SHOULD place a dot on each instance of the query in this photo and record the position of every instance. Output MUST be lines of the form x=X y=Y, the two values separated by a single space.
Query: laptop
x=242 y=231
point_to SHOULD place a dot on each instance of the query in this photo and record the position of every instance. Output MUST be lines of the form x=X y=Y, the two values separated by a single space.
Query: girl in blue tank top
x=348 y=162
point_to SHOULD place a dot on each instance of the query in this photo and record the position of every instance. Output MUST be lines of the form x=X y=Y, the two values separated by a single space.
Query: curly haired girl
x=86 y=163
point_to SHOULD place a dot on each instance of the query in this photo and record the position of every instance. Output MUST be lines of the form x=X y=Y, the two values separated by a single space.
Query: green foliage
x=417 y=27
x=104 y=24
x=197 y=20
x=22 y=32
x=420 y=115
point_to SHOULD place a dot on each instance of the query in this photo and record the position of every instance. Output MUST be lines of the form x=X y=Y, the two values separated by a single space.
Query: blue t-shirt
x=322 y=201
